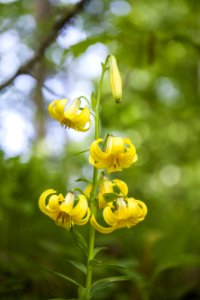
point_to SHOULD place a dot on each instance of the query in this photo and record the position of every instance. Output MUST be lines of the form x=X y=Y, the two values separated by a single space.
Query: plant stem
x=93 y=193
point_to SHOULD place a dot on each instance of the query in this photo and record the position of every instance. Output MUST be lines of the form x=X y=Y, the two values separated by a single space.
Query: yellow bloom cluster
x=113 y=155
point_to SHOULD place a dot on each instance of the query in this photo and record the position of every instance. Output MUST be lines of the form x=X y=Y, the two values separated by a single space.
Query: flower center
x=66 y=123
x=63 y=218
x=113 y=161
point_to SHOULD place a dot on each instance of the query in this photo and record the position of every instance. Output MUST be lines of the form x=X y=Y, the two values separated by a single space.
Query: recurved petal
x=81 y=207
x=53 y=204
x=100 y=228
x=56 y=108
x=133 y=208
x=122 y=186
x=98 y=164
x=110 y=217
x=96 y=153
x=84 y=220
x=115 y=145
x=83 y=127
x=43 y=207
x=72 y=110
x=143 y=206
x=83 y=117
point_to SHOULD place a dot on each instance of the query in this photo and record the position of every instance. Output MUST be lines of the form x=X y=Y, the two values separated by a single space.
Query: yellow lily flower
x=107 y=186
x=120 y=153
x=115 y=79
x=62 y=210
x=71 y=117
x=128 y=213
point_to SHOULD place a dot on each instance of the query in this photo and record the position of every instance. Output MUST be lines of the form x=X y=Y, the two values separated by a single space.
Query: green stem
x=93 y=193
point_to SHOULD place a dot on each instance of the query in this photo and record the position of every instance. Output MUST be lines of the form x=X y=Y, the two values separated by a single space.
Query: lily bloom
x=116 y=186
x=115 y=79
x=120 y=153
x=72 y=116
x=62 y=210
x=127 y=213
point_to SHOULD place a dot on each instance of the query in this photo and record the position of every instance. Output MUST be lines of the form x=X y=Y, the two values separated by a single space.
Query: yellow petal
x=133 y=208
x=98 y=165
x=67 y=205
x=106 y=186
x=143 y=207
x=84 y=220
x=122 y=186
x=121 y=211
x=110 y=218
x=81 y=207
x=56 y=109
x=96 y=152
x=53 y=204
x=100 y=228
x=88 y=190
x=115 y=145
x=72 y=110
x=42 y=200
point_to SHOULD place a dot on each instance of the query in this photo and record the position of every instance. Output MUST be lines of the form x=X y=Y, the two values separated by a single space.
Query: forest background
x=54 y=49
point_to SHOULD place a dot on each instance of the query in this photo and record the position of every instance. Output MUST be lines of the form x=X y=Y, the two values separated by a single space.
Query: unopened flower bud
x=115 y=79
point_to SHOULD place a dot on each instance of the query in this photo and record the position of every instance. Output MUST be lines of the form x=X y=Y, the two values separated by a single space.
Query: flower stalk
x=110 y=197
x=94 y=191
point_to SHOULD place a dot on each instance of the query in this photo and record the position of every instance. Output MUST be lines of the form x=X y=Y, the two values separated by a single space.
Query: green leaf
x=79 y=240
x=97 y=250
x=95 y=263
x=78 y=265
x=83 y=180
x=65 y=277
x=110 y=196
x=78 y=190
x=118 y=266
x=183 y=260
x=105 y=282
x=83 y=151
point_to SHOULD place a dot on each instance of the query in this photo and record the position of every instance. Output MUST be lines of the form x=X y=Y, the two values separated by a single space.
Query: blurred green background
x=157 y=45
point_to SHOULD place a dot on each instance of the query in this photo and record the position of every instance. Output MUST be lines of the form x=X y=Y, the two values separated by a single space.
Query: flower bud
x=115 y=79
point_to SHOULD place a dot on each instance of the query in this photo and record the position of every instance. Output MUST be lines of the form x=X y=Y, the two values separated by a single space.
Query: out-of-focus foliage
x=157 y=47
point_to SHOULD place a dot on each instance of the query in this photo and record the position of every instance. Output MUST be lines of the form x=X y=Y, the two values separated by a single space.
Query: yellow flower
x=107 y=186
x=71 y=117
x=62 y=210
x=116 y=186
x=115 y=79
x=120 y=153
x=128 y=212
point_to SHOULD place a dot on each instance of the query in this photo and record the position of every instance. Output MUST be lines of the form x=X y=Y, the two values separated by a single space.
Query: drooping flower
x=120 y=153
x=126 y=212
x=115 y=79
x=72 y=116
x=62 y=210
x=107 y=186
